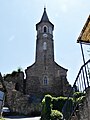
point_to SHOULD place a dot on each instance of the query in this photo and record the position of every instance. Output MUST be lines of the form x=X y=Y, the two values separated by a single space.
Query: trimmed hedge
x=58 y=102
x=56 y=115
x=46 y=108
x=52 y=106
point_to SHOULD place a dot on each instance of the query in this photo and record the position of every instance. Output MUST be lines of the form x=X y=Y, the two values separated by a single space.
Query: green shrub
x=58 y=103
x=52 y=106
x=68 y=108
x=80 y=99
x=56 y=115
x=46 y=107
x=76 y=95
x=48 y=99
x=19 y=69
x=61 y=101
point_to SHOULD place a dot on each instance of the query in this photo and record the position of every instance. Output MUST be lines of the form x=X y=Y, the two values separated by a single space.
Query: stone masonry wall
x=84 y=108
x=17 y=78
x=20 y=103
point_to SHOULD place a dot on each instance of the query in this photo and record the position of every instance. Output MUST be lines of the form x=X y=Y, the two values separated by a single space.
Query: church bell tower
x=44 y=42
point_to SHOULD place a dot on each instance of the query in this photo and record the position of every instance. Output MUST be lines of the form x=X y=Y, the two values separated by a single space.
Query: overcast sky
x=18 y=32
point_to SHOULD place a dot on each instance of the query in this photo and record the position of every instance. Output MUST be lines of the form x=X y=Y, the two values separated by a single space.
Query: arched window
x=44 y=46
x=45 y=81
x=45 y=29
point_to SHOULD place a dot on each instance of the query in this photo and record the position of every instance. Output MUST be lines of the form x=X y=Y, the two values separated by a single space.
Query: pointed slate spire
x=44 y=16
x=44 y=19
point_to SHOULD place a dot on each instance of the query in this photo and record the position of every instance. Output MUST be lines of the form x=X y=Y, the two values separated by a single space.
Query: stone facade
x=83 y=112
x=84 y=108
x=56 y=77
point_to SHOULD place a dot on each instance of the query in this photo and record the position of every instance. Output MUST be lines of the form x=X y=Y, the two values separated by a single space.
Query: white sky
x=18 y=33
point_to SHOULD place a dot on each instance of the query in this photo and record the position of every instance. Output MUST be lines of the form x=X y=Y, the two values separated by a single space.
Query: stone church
x=45 y=76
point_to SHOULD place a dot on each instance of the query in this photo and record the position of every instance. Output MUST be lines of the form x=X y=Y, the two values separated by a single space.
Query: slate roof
x=44 y=19
x=44 y=16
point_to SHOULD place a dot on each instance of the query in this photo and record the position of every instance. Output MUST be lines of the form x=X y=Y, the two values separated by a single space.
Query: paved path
x=23 y=118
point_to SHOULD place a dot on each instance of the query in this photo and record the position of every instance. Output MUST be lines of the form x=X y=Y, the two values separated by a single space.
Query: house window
x=45 y=80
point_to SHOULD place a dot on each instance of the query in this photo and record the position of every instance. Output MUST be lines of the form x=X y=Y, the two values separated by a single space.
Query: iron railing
x=81 y=83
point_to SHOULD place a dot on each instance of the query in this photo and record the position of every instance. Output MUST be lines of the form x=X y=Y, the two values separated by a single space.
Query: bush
x=80 y=99
x=57 y=103
x=56 y=115
x=68 y=108
x=52 y=107
x=46 y=107
x=78 y=94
